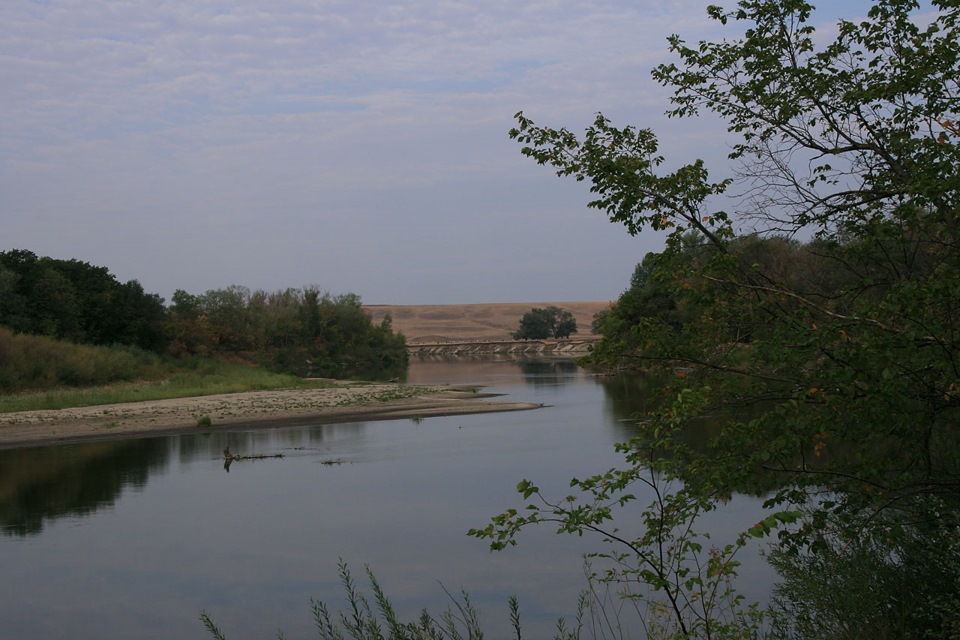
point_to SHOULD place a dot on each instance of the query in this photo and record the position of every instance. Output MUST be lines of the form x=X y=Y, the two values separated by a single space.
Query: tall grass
x=38 y=372
x=365 y=621
x=41 y=362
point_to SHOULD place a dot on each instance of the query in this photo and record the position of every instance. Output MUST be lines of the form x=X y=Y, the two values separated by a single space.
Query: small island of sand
x=344 y=403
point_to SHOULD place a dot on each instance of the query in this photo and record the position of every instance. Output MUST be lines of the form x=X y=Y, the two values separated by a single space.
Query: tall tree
x=77 y=301
x=535 y=324
x=852 y=365
x=552 y=322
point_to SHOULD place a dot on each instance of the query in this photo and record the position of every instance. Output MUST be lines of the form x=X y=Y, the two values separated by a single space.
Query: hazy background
x=360 y=146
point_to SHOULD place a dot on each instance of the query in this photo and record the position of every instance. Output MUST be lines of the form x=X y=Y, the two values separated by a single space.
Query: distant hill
x=442 y=322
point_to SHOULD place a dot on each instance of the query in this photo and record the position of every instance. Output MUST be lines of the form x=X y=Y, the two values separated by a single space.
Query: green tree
x=845 y=347
x=141 y=317
x=227 y=312
x=76 y=301
x=300 y=331
x=564 y=324
x=536 y=324
x=539 y=324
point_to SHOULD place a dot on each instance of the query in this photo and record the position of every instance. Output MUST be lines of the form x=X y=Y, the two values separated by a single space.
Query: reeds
x=460 y=621
x=362 y=621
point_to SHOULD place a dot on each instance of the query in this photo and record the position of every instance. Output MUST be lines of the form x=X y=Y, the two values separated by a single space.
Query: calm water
x=134 y=538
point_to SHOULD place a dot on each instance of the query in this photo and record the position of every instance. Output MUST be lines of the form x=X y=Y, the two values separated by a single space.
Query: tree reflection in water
x=42 y=484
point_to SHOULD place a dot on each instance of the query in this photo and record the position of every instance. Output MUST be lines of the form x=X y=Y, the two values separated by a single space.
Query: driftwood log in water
x=229 y=458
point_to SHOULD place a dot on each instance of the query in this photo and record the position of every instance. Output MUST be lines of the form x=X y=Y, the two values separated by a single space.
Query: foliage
x=597 y=614
x=843 y=347
x=76 y=301
x=301 y=331
x=911 y=573
x=679 y=581
x=32 y=369
x=41 y=362
x=552 y=322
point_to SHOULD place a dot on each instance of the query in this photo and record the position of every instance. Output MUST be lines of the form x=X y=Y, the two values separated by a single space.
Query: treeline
x=673 y=314
x=302 y=331
x=77 y=302
x=836 y=362
x=670 y=314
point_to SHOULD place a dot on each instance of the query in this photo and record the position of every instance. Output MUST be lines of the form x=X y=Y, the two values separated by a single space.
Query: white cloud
x=197 y=144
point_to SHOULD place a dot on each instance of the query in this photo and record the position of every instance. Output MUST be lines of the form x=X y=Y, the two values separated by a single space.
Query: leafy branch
x=667 y=554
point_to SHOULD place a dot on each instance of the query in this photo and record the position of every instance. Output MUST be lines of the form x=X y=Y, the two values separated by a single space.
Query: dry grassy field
x=444 y=322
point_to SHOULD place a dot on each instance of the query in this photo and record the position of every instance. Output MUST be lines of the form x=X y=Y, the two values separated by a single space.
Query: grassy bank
x=42 y=373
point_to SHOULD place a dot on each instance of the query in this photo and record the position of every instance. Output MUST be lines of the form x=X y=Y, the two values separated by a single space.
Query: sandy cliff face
x=450 y=322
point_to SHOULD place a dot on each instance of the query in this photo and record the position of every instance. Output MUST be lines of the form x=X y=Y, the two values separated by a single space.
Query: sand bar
x=343 y=403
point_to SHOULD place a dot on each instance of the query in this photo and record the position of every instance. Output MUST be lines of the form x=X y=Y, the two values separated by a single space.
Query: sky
x=355 y=145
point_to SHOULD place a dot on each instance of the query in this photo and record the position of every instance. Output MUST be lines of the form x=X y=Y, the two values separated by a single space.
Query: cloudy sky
x=357 y=145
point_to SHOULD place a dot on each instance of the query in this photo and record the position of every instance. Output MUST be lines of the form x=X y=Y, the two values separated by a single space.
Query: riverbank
x=350 y=402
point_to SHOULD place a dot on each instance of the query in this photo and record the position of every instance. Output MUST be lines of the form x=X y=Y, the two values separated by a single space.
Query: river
x=134 y=538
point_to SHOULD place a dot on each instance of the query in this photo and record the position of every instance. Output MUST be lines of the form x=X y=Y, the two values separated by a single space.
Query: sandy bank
x=345 y=403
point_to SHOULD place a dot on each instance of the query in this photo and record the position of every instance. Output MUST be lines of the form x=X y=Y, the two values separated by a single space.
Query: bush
x=40 y=362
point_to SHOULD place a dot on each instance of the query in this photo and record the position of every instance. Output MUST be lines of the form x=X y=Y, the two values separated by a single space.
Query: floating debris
x=229 y=458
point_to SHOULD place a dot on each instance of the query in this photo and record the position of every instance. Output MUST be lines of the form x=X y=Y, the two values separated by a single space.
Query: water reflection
x=132 y=538
x=629 y=395
x=43 y=484
x=39 y=485
x=547 y=371
x=468 y=369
